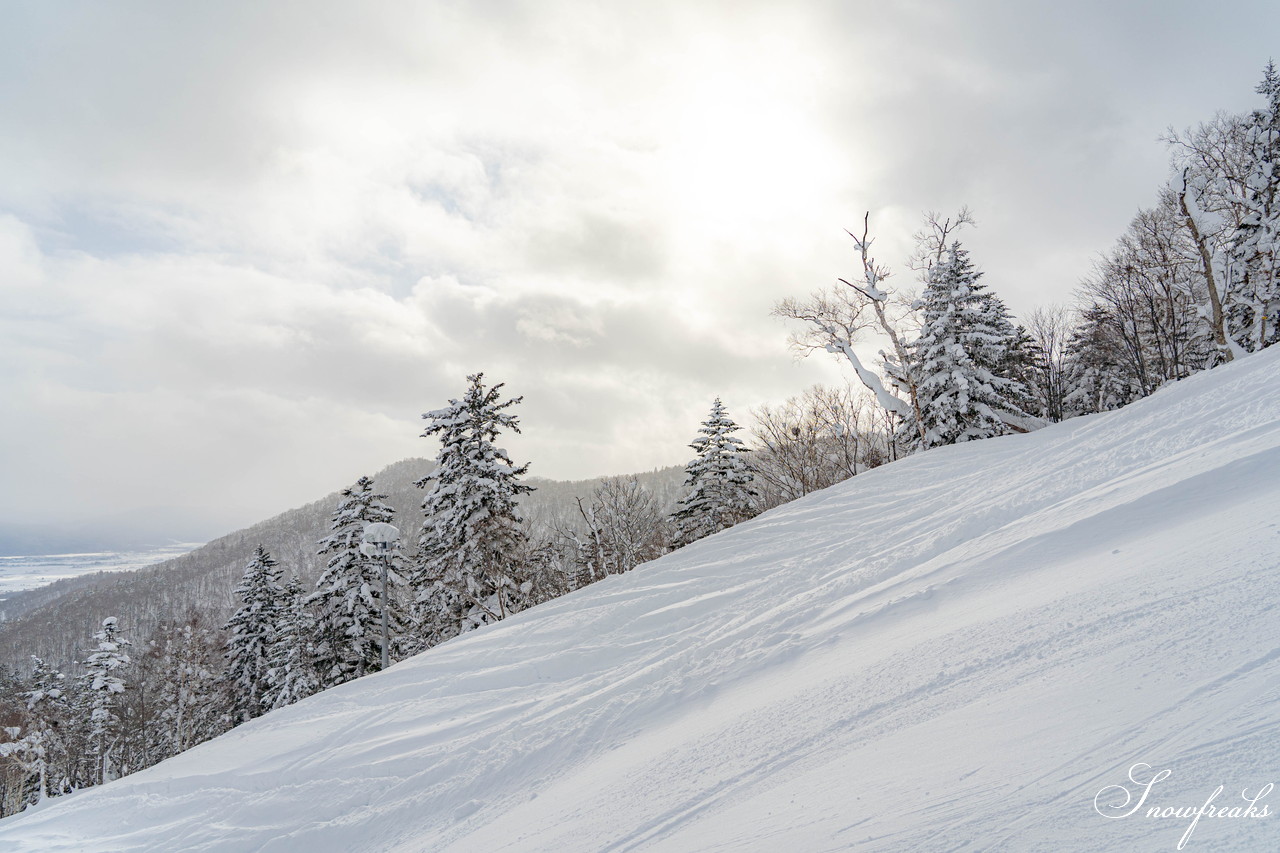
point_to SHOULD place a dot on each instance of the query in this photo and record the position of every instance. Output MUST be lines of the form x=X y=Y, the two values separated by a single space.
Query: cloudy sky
x=243 y=246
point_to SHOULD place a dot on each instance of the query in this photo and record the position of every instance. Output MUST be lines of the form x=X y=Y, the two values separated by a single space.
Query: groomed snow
x=958 y=651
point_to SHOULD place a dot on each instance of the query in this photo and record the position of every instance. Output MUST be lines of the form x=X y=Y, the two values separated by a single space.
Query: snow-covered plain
x=956 y=652
x=18 y=573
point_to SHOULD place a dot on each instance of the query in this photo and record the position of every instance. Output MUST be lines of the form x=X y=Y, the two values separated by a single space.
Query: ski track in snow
x=954 y=653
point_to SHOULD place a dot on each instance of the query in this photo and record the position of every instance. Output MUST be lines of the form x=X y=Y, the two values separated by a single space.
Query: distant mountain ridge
x=55 y=622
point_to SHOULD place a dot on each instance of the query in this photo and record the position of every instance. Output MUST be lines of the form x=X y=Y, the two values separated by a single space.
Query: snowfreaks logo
x=1118 y=801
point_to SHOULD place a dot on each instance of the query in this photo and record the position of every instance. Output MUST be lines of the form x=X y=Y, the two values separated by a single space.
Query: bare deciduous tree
x=623 y=526
x=836 y=319
x=1050 y=328
x=816 y=440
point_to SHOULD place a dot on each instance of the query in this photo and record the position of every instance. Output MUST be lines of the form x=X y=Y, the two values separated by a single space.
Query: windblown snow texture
x=957 y=651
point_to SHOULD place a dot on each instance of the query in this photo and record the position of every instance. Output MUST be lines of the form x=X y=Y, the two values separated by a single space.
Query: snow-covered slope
x=958 y=651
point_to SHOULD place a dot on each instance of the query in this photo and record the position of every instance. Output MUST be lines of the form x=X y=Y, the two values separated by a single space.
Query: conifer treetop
x=478 y=411
x=718 y=479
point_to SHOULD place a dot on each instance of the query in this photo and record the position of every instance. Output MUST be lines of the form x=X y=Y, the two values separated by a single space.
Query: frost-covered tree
x=39 y=746
x=48 y=717
x=250 y=634
x=814 y=441
x=838 y=318
x=1099 y=373
x=718 y=481
x=103 y=684
x=1255 y=245
x=186 y=685
x=471 y=557
x=347 y=634
x=964 y=340
x=622 y=527
x=1149 y=289
x=1017 y=362
x=292 y=674
x=1050 y=327
x=27 y=752
x=1228 y=200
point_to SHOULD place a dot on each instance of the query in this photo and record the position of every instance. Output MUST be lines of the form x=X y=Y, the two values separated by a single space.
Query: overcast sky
x=243 y=246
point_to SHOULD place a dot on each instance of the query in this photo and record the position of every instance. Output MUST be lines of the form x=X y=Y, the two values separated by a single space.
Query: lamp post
x=381 y=540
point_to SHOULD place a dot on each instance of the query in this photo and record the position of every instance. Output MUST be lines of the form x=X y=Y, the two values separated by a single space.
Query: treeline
x=474 y=561
x=1193 y=281
x=1191 y=284
x=123 y=711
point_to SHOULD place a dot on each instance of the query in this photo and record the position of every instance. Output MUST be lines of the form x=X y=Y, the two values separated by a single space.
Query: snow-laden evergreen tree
x=347 y=634
x=40 y=748
x=250 y=634
x=186 y=686
x=472 y=566
x=1015 y=360
x=25 y=751
x=1097 y=374
x=1255 y=246
x=104 y=684
x=292 y=675
x=718 y=481
x=51 y=712
x=964 y=340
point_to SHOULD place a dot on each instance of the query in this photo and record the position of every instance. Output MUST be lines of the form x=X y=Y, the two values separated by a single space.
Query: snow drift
x=975 y=648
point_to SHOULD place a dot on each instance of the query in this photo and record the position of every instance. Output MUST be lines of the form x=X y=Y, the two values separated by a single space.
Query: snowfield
x=960 y=651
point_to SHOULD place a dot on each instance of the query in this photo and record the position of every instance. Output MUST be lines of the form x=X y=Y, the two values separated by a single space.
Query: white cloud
x=278 y=233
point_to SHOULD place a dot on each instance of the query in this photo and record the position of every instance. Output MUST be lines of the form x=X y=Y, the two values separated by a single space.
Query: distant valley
x=19 y=573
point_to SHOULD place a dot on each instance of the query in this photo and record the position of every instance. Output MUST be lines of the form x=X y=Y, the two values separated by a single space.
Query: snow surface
x=955 y=652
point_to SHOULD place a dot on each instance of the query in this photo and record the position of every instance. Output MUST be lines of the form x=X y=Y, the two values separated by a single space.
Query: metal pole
x=386 y=636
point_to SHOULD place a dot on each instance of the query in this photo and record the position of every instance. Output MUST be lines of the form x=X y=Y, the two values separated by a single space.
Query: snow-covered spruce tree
x=964 y=340
x=472 y=566
x=251 y=632
x=292 y=674
x=719 y=481
x=1255 y=247
x=1014 y=359
x=347 y=634
x=103 y=685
